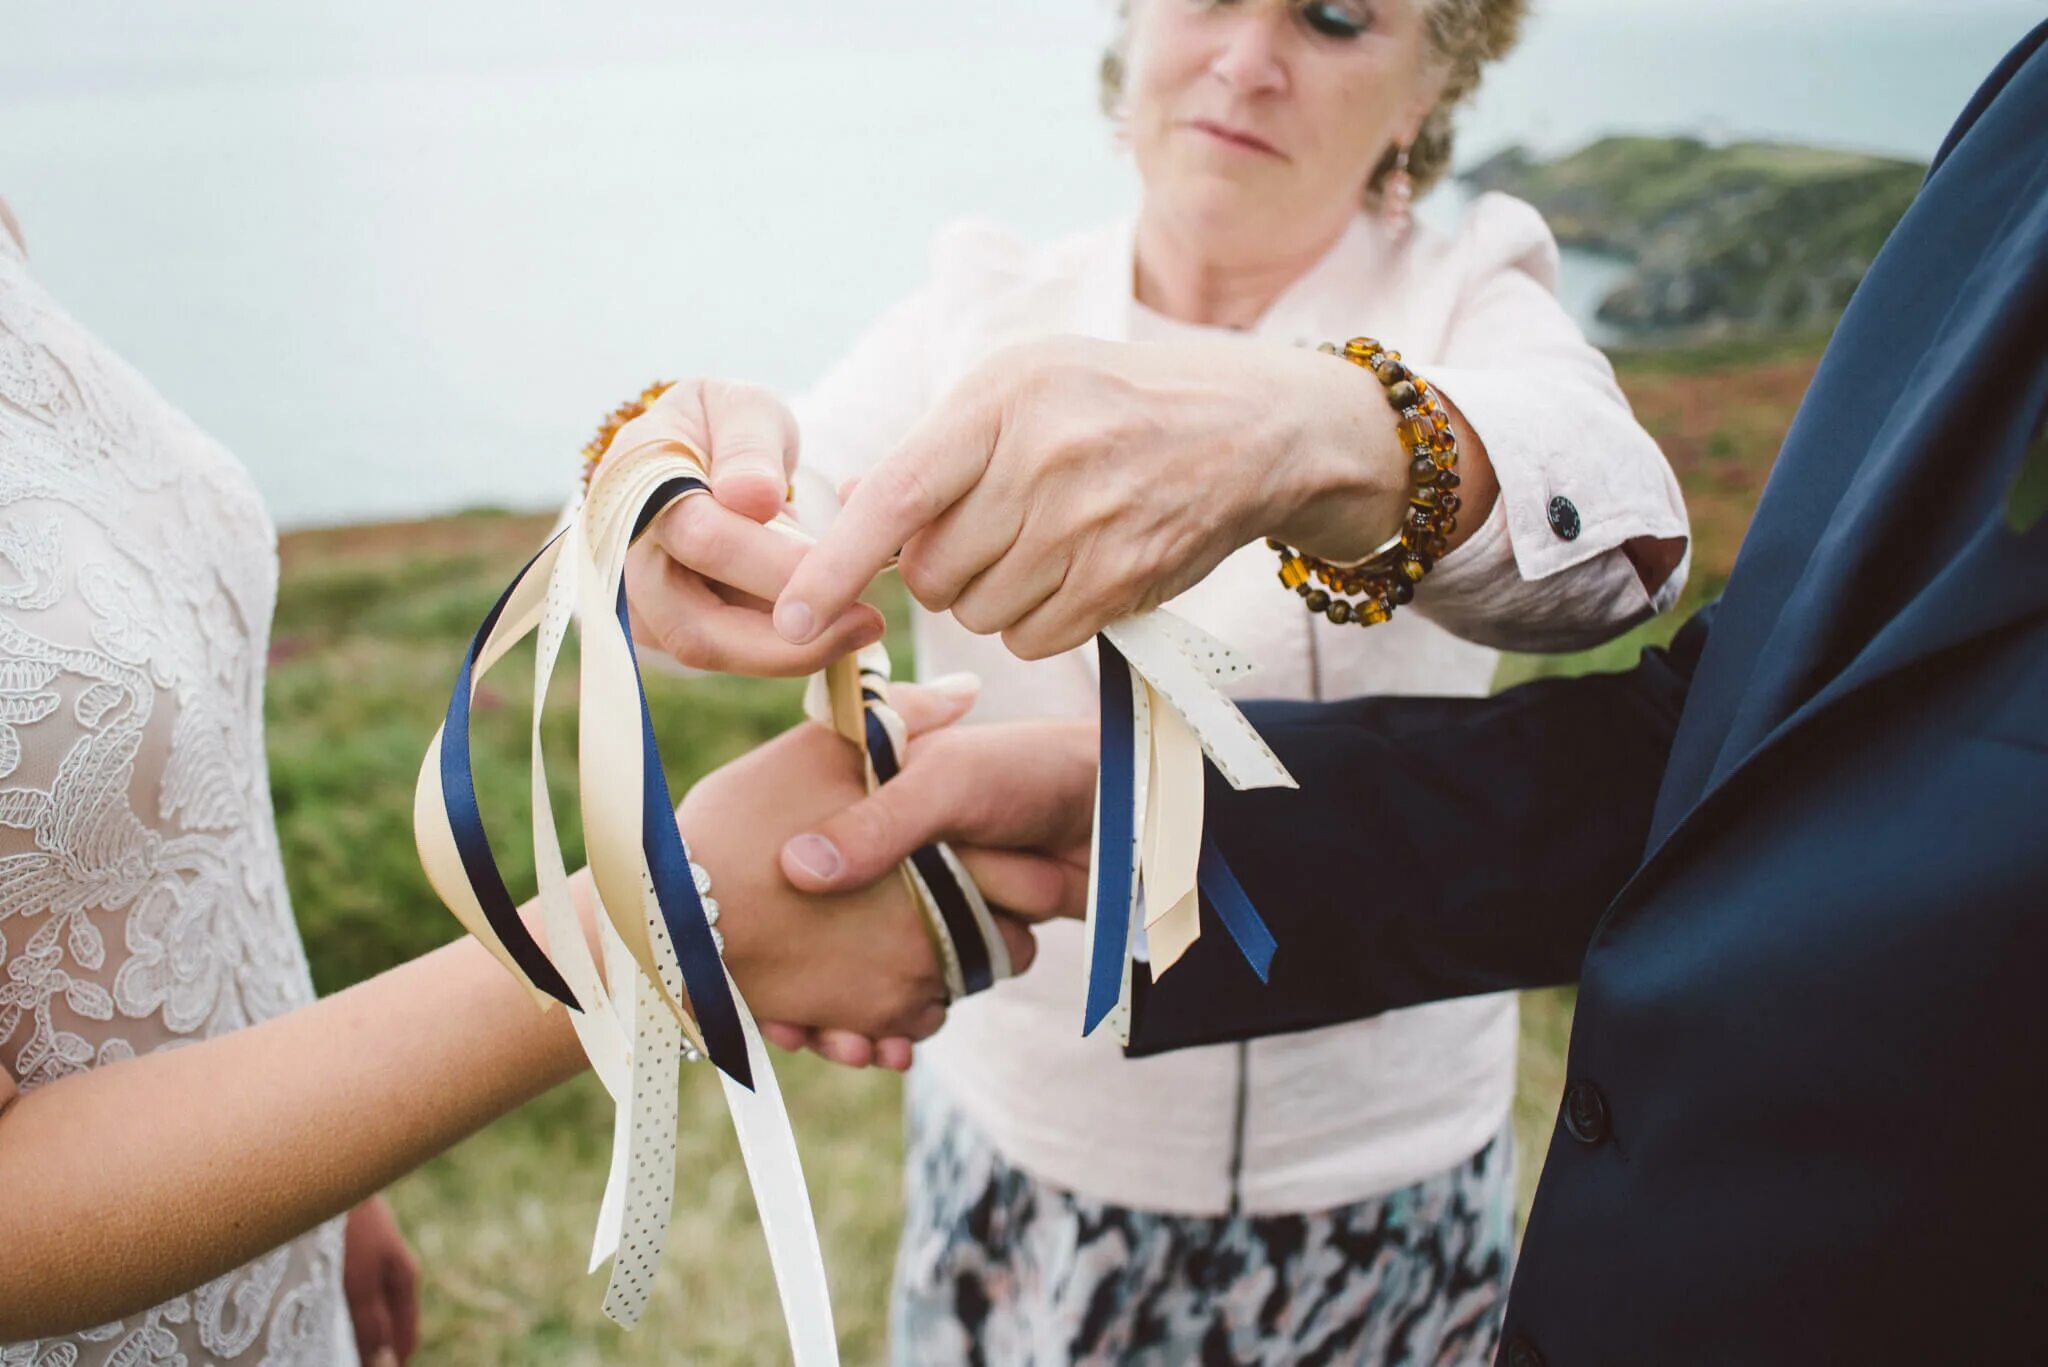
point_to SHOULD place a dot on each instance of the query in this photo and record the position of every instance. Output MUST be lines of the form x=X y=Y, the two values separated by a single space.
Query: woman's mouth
x=1237 y=137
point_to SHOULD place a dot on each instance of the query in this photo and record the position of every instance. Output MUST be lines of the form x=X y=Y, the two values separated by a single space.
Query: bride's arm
x=133 y=1182
x=128 y=1184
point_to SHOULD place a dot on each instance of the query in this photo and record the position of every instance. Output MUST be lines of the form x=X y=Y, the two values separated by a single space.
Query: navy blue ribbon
x=466 y=821
x=1117 y=829
x=977 y=972
x=668 y=860
x=1226 y=897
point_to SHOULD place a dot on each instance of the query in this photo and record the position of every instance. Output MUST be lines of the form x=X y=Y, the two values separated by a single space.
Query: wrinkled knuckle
x=694 y=534
x=1028 y=642
x=1074 y=451
x=979 y=617
x=680 y=636
x=902 y=488
x=919 y=575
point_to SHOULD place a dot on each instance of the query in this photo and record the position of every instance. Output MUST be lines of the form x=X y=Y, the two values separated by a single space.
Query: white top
x=1316 y=1120
x=142 y=901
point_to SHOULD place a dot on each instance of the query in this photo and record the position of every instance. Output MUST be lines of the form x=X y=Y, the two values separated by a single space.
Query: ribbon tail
x=712 y=999
x=461 y=812
x=1227 y=897
x=782 y=1198
x=1109 y=914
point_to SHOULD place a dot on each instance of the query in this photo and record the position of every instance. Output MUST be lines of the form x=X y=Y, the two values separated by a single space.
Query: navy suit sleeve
x=1437 y=847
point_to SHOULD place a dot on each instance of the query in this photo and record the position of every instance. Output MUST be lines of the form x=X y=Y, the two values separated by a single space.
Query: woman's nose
x=1249 y=60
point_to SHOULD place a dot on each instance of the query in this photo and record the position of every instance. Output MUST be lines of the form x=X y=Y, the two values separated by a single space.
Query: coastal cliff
x=1724 y=239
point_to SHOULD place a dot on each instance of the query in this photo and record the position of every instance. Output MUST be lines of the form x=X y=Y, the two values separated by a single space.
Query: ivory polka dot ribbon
x=664 y=995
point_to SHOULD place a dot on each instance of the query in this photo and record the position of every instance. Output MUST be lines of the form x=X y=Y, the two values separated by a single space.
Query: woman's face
x=1257 y=123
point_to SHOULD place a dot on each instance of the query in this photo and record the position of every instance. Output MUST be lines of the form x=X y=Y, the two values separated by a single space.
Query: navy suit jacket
x=1794 y=862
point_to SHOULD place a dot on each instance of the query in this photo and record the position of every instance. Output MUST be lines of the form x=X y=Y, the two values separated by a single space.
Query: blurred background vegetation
x=370 y=623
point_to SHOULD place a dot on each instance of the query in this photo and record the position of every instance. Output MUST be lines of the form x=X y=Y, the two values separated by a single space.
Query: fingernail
x=384 y=1357
x=817 y=856
x=960 y=685
x=794 y=621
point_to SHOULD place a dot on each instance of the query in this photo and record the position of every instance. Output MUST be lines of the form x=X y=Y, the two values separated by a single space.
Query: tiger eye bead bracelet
x=594 y=449
x=1368 y=591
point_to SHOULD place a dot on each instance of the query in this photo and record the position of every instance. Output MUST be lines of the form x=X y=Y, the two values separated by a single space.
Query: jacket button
x=1585 y=1113
x=1522 y=1353
x=1564 y=518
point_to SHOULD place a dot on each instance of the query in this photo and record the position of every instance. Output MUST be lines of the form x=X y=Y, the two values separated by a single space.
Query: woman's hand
x=381 y=1281
x=700 y=582
x=1068 y=483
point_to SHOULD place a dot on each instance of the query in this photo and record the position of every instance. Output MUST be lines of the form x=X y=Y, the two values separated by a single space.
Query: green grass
x=370 y=624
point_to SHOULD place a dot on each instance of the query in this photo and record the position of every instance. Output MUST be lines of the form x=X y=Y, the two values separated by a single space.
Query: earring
x=1397 y=196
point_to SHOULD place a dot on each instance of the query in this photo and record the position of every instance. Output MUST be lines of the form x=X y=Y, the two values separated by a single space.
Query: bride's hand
x=700 y=582
x=1068 y=483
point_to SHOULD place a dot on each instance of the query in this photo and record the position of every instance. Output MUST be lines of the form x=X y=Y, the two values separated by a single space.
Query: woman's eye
x=1333 y=19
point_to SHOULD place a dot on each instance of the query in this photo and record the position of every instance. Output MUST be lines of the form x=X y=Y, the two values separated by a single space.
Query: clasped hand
x=820 y=932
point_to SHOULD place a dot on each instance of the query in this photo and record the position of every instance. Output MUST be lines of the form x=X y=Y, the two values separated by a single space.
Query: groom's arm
x=1436 y=848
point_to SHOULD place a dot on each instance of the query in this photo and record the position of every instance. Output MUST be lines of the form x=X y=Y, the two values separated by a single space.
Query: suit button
x=1585 y=1113
x=1564 y=518
x=1522 y=1353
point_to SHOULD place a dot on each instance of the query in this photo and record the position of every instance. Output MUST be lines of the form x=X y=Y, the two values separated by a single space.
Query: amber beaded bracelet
x=594 y=449
x=1386 y=579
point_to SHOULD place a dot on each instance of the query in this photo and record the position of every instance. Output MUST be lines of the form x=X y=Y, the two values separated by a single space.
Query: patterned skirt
x=997 y=1267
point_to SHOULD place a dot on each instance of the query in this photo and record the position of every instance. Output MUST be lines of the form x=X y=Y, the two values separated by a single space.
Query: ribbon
x=852 y=697
x=1162 y=717
x=654 y=925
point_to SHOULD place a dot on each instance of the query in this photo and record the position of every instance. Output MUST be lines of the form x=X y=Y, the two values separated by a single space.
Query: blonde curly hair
x=1465 y=34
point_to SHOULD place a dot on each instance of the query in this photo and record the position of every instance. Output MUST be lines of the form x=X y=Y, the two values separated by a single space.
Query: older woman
x=1057 y=435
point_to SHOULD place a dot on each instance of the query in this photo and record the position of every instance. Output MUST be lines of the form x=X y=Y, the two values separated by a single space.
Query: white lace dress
x=142 y=901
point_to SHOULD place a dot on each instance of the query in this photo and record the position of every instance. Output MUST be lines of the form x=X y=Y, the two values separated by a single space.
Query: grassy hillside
x=370 y=624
